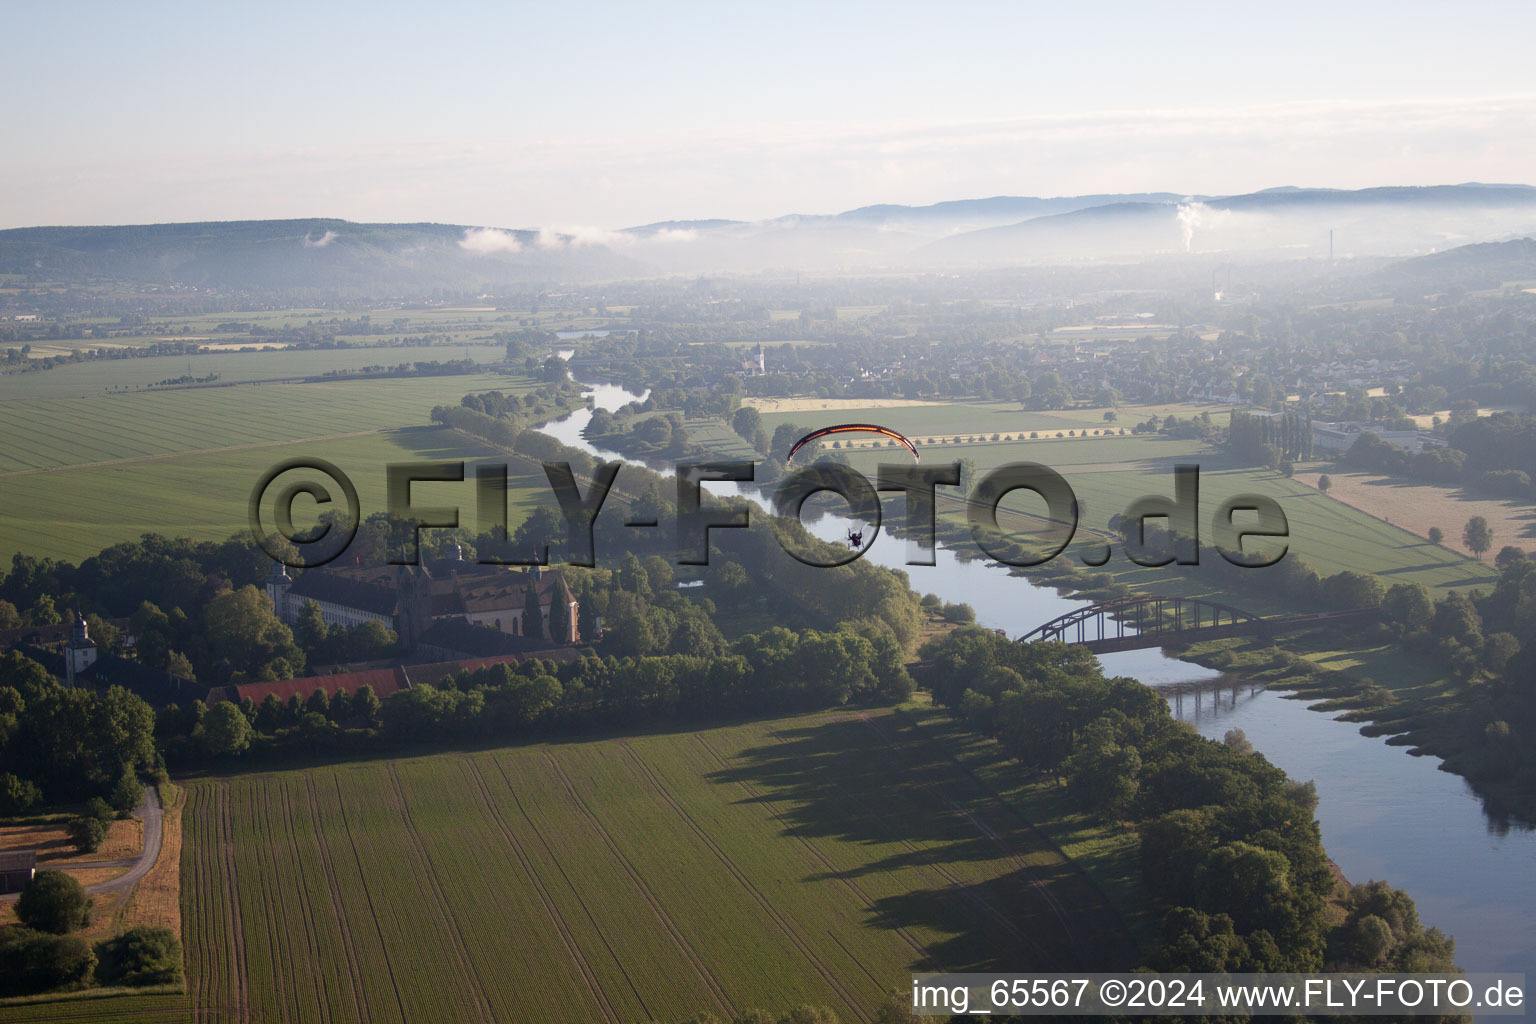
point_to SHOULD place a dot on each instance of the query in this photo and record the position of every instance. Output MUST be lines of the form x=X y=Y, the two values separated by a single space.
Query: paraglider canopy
x=847 y=428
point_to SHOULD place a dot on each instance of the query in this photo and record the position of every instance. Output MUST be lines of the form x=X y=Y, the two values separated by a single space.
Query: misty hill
x=1375 y=221
x=998 y=209
x=314 y=253
x=344 y=257
x=883 y=235
x=1485 y=265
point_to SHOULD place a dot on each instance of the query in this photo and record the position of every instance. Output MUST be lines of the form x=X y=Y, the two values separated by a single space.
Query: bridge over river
x=1151 y=620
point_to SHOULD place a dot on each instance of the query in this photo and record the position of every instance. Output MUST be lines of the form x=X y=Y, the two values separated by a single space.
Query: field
x=105 y=1008
x=50 y=839
x=970 y=419
x=814 y=860
x=1417 y=506
x=47 y=433
x=84 y=470
x=73 y=513
x=101 y=377
x=234 y=329
x=1108 y=472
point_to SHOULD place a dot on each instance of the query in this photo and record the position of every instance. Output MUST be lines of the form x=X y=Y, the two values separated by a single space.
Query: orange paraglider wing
x=848 y=428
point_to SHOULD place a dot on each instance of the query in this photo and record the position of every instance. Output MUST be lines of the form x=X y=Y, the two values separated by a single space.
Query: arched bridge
x=1150 y=620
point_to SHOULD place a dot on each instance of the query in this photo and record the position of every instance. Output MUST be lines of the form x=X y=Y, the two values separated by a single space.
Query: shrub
x=127 y=794
x=1510 y=483
x=959 y=613
x=142 y=956
x=54 y=902
x=32 y=962
x=87 y=833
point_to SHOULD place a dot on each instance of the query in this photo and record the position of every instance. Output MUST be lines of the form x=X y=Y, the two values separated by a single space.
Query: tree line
x=1231 y=856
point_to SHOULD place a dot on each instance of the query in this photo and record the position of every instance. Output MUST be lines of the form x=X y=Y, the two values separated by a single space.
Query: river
x=1384 y=814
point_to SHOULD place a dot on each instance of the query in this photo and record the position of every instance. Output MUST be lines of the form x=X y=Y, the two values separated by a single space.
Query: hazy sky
x=559 y=114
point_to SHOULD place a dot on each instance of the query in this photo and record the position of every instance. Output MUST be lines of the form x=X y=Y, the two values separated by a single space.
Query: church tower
x=413 y=615
x=80 y=652
x=278 y=584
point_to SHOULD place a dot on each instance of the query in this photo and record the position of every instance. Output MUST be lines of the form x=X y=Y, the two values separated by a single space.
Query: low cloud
x=672 y=235
x=321 y=242
x=577 y=235
x=573 y=236
x=488 y=240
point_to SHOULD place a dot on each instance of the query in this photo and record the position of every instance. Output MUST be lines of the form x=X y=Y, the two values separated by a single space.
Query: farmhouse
x=413 y=600
x=16 y=869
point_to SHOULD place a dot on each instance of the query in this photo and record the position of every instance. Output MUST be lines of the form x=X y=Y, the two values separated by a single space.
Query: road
x=153 y=816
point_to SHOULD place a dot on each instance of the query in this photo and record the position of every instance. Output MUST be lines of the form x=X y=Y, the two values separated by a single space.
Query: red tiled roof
x=384 y=681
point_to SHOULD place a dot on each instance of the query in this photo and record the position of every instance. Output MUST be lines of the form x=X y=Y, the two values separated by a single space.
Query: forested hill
x=311 y=253
x=1486 y=265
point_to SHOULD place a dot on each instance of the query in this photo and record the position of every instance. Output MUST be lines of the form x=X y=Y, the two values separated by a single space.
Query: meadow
x=817 y=859
x=463 y=325
x=1108 y=472
x=74 y=512
x=84 y=471
x=983 y=419
x=1419 y=506
x=107 y=376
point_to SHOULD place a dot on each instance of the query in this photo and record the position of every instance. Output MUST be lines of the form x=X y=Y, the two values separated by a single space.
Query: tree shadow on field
x=886 y=808
x=1417 y=568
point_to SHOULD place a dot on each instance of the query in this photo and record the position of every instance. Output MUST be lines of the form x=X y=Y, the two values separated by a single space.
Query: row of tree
x=773 y=672
x=59 y=744
x=1270 y=440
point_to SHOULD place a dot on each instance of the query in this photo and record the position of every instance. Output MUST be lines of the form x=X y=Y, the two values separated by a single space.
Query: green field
x=1107 y=473
x=116 y=1009
x=102 y=376
x=74 y=512
x=983 y=419
x=814 y=860
x=82 y=472
x=463 y=324
x=49 y=432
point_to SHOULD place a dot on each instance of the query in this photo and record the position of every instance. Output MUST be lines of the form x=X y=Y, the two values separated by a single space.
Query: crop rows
x=123 y=1009
x=619 y=880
